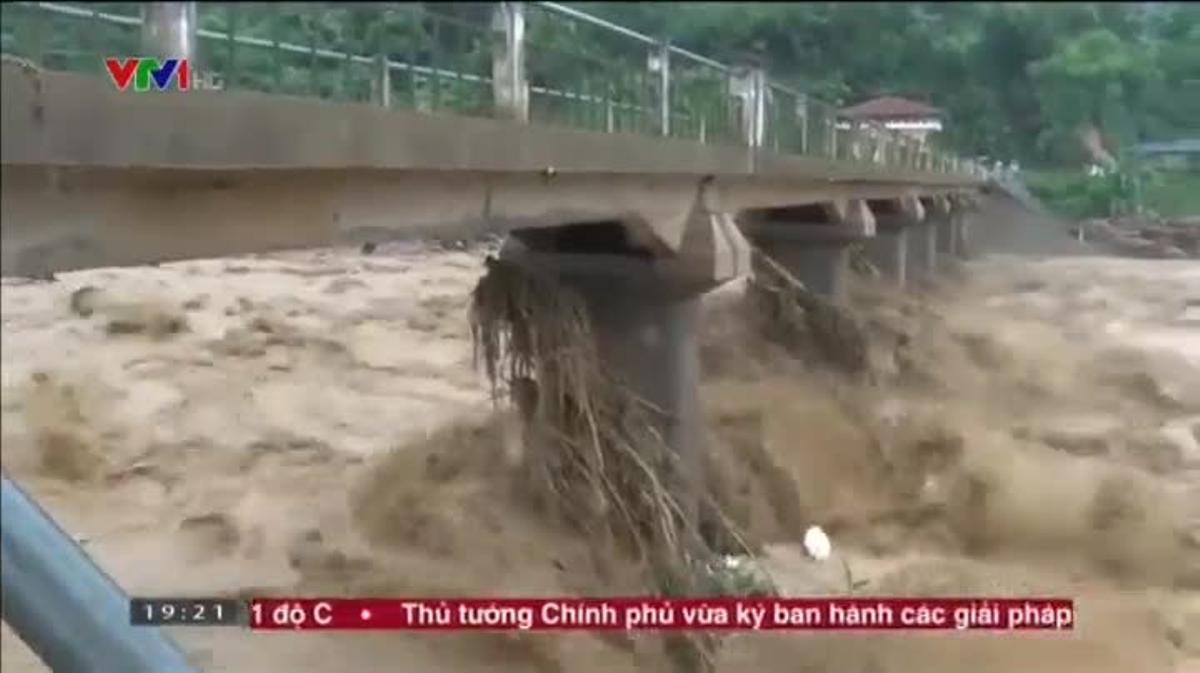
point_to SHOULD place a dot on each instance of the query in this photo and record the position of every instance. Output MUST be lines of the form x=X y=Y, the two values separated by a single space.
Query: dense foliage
x=1022 y=81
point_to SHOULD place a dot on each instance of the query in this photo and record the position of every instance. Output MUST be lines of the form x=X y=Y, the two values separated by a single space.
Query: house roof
x=889 y=107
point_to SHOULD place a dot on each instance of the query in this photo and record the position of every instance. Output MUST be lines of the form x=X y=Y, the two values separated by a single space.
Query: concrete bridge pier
x=964 y=206
x=812 y=241
x=894 y=223
x=953 y=228
x=645 y=312
x=888 y=251
x=948 y=235
x=922 y=250
x=647 y=335
x=923 y=239
x=823 y=266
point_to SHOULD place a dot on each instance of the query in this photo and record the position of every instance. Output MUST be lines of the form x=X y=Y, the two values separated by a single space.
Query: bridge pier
x=646 y=327
x=923 y=238
x=812 y=242
x=895 y=221
x=644 y=309
x=823 y=266
x=888 y=251
x=948 y=236
x=922 y=250
x=953 y=230
x=962 y=230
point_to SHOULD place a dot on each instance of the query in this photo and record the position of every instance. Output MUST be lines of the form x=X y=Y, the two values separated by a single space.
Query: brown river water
x=266 y=425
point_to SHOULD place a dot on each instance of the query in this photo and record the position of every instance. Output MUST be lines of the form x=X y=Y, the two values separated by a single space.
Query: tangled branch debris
x=593 y=450
x=799 y=319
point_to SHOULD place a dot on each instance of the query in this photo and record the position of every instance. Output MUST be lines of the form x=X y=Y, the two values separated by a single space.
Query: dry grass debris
x=593 y=451
x=802 y=321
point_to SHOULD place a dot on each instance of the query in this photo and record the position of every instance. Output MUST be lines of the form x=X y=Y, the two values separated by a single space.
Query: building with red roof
x=898 y=114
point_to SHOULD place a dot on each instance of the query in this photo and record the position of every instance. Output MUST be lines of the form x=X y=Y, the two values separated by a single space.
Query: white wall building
x=897 y=114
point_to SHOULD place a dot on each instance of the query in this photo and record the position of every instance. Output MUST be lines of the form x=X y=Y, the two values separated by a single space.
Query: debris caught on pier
x=860 y=261
x=802 y=321
x=592 y=453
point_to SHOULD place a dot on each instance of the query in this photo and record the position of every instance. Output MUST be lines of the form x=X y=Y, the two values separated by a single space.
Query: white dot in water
x=817 y=544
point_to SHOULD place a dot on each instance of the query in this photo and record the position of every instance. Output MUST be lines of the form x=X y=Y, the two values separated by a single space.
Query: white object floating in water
x=817 y=543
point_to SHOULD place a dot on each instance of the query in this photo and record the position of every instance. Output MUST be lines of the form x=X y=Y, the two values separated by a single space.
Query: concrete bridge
x=641 y=223
x=93 y=177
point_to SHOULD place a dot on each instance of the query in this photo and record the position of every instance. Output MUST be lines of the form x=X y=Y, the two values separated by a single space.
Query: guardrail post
x=661 y=62
x=383 y=81
x=169 y=30
x=833 y=131
x=510 y=90
x=802 y=115
x=750 y=85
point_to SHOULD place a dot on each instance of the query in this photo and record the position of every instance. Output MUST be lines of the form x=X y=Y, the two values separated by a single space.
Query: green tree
x=1090 y=90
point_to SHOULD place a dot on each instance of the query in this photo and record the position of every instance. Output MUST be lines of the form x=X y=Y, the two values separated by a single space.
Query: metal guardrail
x=542 y=62
x=66 y=609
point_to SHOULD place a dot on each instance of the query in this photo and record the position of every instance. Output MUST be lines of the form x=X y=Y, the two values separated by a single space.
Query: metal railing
x=66 y=609
x=541 y=62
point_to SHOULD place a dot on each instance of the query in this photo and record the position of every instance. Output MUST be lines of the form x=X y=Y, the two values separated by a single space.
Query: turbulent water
x=311 y=423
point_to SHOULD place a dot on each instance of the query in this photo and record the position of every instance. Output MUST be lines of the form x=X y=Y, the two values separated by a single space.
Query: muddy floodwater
x=311 y=423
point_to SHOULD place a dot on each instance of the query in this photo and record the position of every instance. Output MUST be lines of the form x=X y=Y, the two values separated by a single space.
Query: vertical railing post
x=383 y=80
x=802 y=115
x=664 y=87
x=774 y=123
x=833 y=131
x=32 y=36
x=758 y=79
x=749 y=85
x=169 y=30
x=739 y=91
x=510 y=90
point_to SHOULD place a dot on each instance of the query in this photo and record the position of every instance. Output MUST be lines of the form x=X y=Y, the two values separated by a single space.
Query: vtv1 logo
x=147 y=72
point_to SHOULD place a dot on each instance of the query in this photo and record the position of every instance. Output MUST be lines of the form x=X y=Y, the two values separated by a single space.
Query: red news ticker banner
x=656 y=614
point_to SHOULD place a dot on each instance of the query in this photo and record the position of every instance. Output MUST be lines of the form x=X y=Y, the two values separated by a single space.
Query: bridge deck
x=95 y=177
x=57 y=118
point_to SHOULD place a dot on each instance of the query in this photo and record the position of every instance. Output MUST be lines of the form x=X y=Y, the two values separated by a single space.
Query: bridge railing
x=541 y=62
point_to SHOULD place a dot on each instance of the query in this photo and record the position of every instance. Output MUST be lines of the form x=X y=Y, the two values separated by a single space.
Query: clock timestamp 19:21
x=186 y=612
